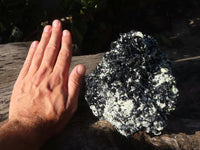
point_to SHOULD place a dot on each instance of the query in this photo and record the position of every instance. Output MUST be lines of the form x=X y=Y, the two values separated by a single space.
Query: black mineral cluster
x=132 y=87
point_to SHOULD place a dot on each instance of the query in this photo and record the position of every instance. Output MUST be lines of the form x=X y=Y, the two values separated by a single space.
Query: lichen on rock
x=133 y=87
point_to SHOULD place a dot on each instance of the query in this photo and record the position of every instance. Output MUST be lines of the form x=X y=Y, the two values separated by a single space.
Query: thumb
x=74 y=84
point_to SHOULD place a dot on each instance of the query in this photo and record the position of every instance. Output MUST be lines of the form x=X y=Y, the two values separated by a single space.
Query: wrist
x=23 y=135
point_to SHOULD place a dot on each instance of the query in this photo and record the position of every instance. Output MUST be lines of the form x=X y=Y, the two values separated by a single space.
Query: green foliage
x=17 y=18
x=93 y=23
x=24 y=20
x=80 y=13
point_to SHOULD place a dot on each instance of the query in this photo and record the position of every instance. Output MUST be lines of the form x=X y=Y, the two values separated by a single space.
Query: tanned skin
x=44 y=97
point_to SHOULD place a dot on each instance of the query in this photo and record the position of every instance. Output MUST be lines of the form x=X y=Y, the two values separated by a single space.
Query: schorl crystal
x=132 y=87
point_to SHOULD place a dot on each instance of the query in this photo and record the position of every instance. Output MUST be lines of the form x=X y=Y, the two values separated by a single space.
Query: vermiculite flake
x=132 y=87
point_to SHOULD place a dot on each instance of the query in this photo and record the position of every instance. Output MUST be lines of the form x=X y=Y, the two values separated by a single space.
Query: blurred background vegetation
x=93 y=23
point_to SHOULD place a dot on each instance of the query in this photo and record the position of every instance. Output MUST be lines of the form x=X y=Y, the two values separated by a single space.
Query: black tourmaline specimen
x=132 y=87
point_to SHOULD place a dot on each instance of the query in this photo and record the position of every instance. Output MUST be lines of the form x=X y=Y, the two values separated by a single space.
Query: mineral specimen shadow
x=185 y=119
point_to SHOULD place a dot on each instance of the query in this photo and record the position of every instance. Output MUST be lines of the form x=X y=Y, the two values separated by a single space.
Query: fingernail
x=65 y=33
x=47 y=29
x=34 y=44
x=56 y=23
x=81 y=70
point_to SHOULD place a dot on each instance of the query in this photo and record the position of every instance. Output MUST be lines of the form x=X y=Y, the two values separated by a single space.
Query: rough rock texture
x=132 y=87
x=86 y=132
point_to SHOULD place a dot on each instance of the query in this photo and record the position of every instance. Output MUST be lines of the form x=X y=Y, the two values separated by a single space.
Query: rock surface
x=132 y=87
x=86 y=132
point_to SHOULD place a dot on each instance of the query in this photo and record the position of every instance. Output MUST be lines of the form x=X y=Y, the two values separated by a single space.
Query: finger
x=64 y=58
x=37 y=58
x=74 y=85
x=53 y=46
x=28 y=60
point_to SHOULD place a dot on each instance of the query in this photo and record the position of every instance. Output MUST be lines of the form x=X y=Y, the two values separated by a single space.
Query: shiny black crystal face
x=132 y=87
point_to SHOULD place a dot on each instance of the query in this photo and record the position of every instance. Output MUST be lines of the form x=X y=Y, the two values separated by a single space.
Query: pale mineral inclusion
x=133 y=87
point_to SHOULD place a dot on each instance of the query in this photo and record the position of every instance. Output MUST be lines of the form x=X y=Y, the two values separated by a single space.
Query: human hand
x=43 y=96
